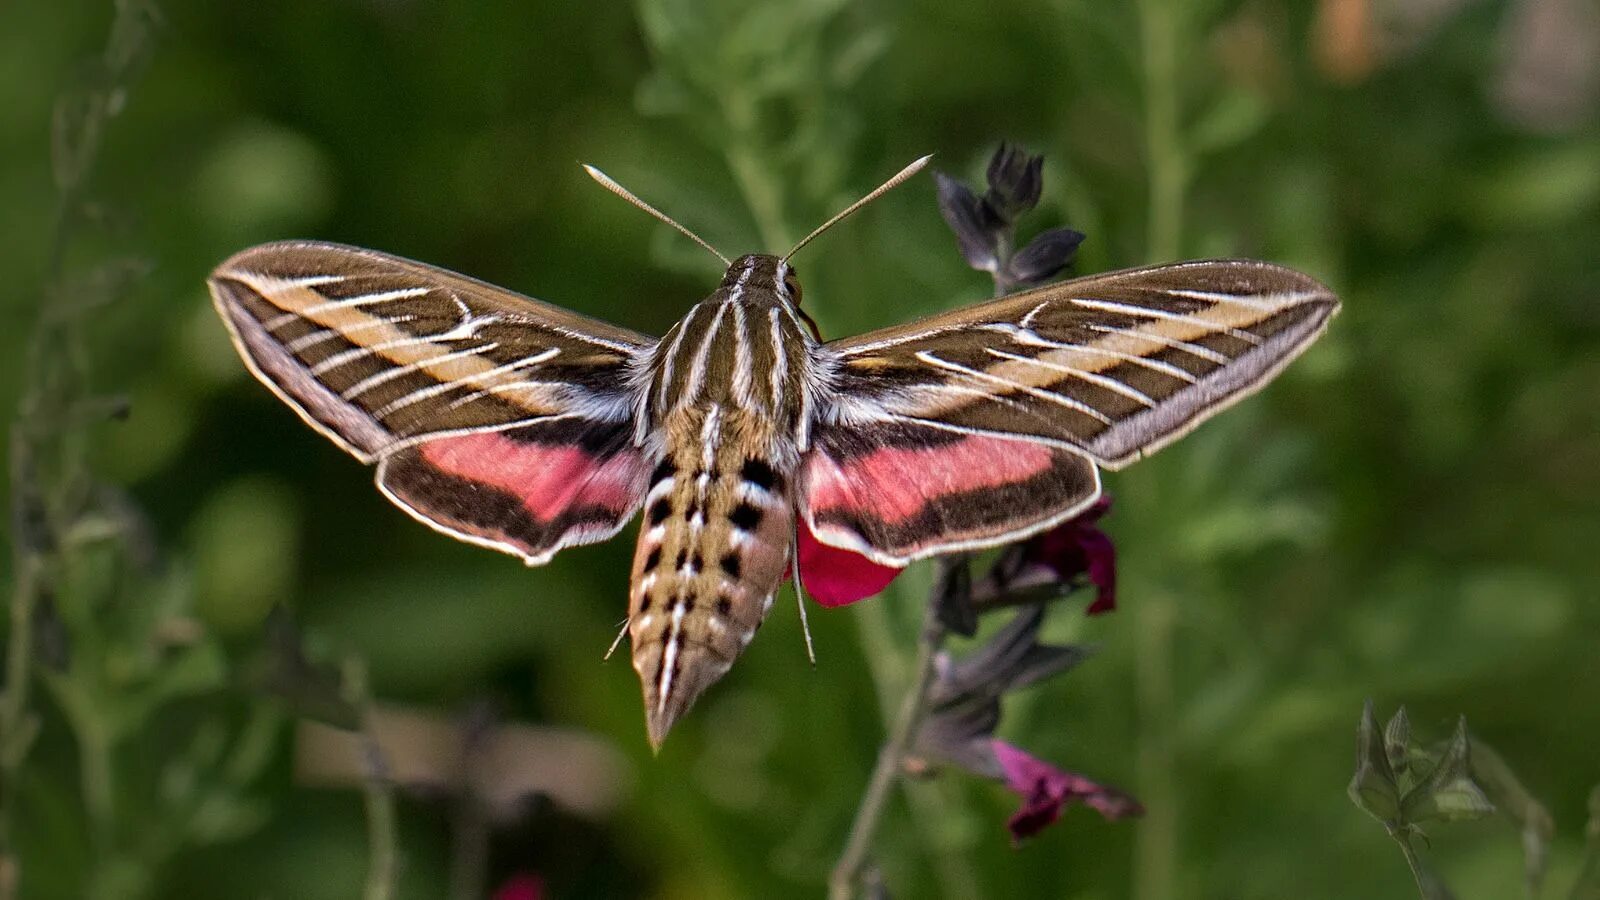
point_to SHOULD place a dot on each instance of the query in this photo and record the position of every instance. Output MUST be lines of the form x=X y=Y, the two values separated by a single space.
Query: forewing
x=899 y=491
x=494 y=418
x=379 y=352
x=1115 y=366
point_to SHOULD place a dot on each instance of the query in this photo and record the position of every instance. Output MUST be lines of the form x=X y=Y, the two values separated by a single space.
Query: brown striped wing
x=1114 y=366
x=494 y=418
x=379 y=353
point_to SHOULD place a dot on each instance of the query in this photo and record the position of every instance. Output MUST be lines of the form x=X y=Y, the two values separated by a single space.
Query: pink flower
x=1046 y=791
x=1076 y=547
x=520 y=887
x=837 y=577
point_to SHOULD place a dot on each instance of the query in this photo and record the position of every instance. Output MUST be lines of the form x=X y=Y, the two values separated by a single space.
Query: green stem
x=753 y=173
x=383 y=855
x=1156 y=848
x=1156 y=851
x=96 y=775
x=54 y=373
x=1159 y=29
x=16 y=724
x=1429 y=887
x=891 y=760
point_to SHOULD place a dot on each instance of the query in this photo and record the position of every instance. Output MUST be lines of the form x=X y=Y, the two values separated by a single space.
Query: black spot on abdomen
x=745 y=517
x=659 y=511
x=758 y=473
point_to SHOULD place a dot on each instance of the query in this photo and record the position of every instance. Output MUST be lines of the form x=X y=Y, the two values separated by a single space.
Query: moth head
x=763 y=272
x=791 y=284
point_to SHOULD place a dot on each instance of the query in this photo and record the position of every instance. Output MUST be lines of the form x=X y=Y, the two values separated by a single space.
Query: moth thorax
x=711 y=553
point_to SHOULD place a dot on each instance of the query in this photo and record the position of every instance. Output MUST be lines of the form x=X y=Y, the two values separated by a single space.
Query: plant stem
x=1156 y=850
x=1165 y=159
x=891 y=759
x=53 y=377
x=16 y=724
x=762 y=195
x=1429 y=887
x=383 y=856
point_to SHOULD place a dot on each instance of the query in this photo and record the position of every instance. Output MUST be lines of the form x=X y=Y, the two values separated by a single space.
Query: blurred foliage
x=1410 y=513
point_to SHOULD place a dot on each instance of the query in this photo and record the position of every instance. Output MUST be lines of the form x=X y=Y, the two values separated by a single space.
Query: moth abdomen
x=712 y=550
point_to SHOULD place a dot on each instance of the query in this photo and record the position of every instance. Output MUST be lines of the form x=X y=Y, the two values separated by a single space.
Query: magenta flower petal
x=836 y=577
x=1078 y=547
x=1046 y=791
x=520 y=887
x=1102 y=559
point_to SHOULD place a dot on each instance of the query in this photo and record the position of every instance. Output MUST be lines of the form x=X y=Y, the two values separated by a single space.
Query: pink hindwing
x=529 y=490
x=897 y=492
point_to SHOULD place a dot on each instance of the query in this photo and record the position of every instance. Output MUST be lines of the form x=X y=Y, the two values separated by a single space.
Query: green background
x=1411 y=513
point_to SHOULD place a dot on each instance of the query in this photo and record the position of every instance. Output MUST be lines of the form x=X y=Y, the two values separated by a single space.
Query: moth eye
x=792 y=285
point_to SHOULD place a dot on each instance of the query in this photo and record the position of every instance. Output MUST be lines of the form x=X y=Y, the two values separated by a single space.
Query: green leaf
x=1373 y=787
x=1587 y=887
x=1491 y=772
x=1231 y=120
x=221 y=818
x=1449 y=793
x=292 y=672
x=1397 y=742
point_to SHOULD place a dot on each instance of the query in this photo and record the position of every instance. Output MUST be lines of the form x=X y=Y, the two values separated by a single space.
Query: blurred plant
x=765 y=85
x=488 y=772
x=1405 y=786
x=1587 y=886
x=98 y=615
x=951 y=709
x=521 y=887
x=1547 y=77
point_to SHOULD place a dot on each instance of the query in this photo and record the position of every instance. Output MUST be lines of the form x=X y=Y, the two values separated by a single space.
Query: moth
x=525 y=427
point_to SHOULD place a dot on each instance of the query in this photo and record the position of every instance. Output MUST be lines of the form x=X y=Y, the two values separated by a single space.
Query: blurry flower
x=1047 y=790
x=985 y=227
x=976 y=225
x=1045 y=256
x=1078 y=547
x=522 y=886
x=965 y=711
x=1075 y=549
x=834 y=576
x=1016 y=180
x=1013 y=658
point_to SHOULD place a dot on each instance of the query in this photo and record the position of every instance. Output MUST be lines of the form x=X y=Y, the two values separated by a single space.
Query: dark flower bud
x=959 y=729
x=953 y=598
x=1074 y=552
x=1015 y=182
x=1012 y=659
x=1045 y=256
x=974 y=223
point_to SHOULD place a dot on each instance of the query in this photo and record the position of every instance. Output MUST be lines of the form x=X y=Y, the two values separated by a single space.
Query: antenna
x=882 y=189
x=624 y=193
